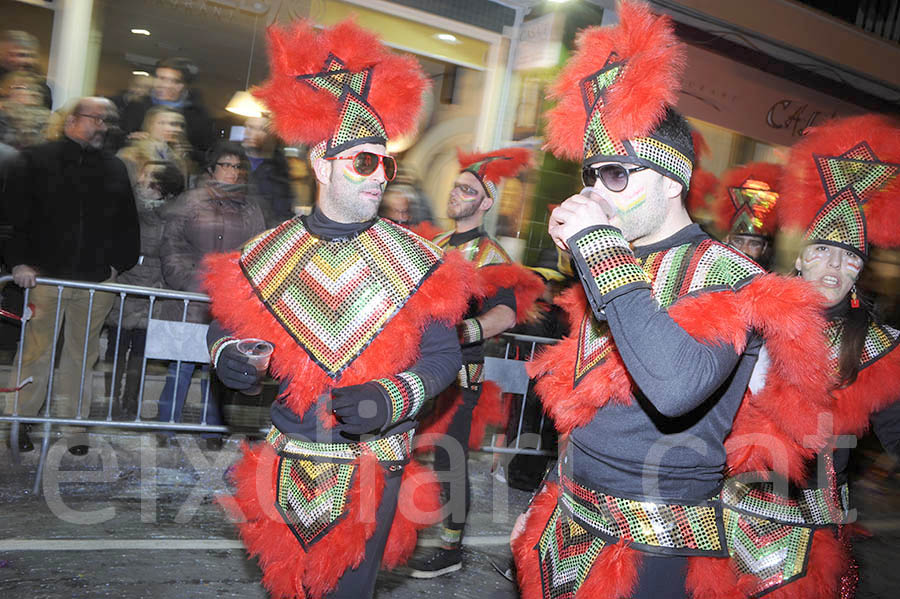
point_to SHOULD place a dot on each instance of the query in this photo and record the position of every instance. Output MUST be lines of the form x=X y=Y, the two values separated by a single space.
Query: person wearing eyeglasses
x=361 y=313
x=508 y=293
x=73 y=216
x=668 y=325
x=218 y=216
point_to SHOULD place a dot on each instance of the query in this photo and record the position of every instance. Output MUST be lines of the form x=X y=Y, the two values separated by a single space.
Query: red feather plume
x=637 y=102
x=765 y=172
x=802 y=184
x=302 y=114
x=513 y=161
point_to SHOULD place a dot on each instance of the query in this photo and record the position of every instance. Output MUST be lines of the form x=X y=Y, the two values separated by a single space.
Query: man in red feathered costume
x=506 y=295
x=668 y=326
x=745 y=209
x=362 y=316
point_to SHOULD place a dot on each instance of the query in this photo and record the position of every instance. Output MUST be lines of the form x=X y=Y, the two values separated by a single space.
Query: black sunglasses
x=366 y=163
x=613 y=176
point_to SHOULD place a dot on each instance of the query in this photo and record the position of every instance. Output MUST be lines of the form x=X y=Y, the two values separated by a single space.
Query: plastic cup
x=258 y=352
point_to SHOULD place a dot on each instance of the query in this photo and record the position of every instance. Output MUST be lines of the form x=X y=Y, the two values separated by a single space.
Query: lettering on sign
x=786 y=114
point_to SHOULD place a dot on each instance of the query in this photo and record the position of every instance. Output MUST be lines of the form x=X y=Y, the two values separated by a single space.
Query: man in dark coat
x=170 y=88
x=73 y=217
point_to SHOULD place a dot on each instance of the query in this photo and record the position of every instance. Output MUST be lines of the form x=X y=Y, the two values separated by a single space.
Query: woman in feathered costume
x=668 y=326
x=362 y=314
x=841 y=192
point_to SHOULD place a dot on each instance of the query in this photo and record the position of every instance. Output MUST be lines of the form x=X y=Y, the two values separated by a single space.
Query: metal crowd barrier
x=182 y=341
x=509 y=373
x=166 y=340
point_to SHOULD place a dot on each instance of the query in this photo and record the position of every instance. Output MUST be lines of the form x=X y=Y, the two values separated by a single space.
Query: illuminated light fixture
x=140 y=32
x=141 y=73
x=244 y=104
x=447 y=38
x=557 y=1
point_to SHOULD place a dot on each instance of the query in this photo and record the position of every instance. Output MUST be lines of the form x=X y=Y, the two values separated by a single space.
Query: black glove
x=360 y=408
x=234 y=369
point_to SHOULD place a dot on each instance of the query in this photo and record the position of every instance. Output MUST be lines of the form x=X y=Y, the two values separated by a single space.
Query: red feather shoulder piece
x=785 y=311
x=526 y=286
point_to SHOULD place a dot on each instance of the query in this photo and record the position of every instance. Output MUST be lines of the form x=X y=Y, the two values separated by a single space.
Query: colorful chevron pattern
x=334 y=297
x=566 y=553
x=311 y=496
x=773 y=553
x=880 y=341
x=816 y=506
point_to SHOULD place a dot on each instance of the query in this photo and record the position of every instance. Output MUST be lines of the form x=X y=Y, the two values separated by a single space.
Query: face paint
x=352 y=176
x=831 y=270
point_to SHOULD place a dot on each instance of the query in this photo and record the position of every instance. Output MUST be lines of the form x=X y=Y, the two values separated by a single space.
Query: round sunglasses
x=366 y=163
x=613 y=176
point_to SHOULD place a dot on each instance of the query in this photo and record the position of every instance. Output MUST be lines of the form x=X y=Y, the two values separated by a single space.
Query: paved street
x=142 y=524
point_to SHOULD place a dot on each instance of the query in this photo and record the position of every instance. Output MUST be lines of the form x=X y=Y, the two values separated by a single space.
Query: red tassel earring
x=854 y=301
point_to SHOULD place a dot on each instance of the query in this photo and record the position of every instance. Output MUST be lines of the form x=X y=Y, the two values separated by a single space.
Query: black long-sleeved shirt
x=438 y=364
x=669 y=442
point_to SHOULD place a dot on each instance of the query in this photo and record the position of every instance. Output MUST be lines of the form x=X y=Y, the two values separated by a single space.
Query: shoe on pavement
x=214 y=443
x=442 y=561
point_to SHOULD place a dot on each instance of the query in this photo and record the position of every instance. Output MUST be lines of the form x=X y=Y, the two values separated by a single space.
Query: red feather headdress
x=746 y=199
x=340 y=86
x=616 y=90
x=703 y=182
x=841 y=184
x=492 y=167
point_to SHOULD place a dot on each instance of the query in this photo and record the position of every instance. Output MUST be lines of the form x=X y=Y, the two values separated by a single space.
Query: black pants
x=130 y=361
x=451 y=464
x=661 y=577
x=359 y=582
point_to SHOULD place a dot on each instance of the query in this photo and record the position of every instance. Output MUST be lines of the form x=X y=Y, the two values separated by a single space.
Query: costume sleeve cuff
x=606 y=264
x=215 y=350
x=470 y=331
x=405 y=392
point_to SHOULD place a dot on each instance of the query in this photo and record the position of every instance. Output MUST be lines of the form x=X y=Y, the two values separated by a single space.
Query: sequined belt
x=395 y=449
x=807 y=507
x=654 y=527
x=470 y=375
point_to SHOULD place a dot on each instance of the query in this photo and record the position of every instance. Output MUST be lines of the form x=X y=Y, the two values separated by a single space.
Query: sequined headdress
x=339 y=87
x=616 y=93
x=842 y=184
x=746 y=199
x=492 y=167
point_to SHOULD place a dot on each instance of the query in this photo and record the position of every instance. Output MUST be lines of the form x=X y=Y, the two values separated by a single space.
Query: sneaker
x=442 y=561
x=25 y=445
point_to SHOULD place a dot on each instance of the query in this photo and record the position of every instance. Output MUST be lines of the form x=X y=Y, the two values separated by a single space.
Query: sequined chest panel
x=334 y=297
x=880 y=340
x=482 y=251
x=675 y=273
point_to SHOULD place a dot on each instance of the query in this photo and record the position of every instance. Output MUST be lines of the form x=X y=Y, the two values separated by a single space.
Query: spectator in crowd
x=395 y=205
x=161 y=139
x=19 y=52
x=23 y=116
x=170 y=88
x=138 y=91
x=269 y=179
x=73 y=217
x=216 y=217
x=158 y=185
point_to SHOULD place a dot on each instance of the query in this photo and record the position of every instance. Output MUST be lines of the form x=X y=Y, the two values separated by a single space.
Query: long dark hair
x=853 y=338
